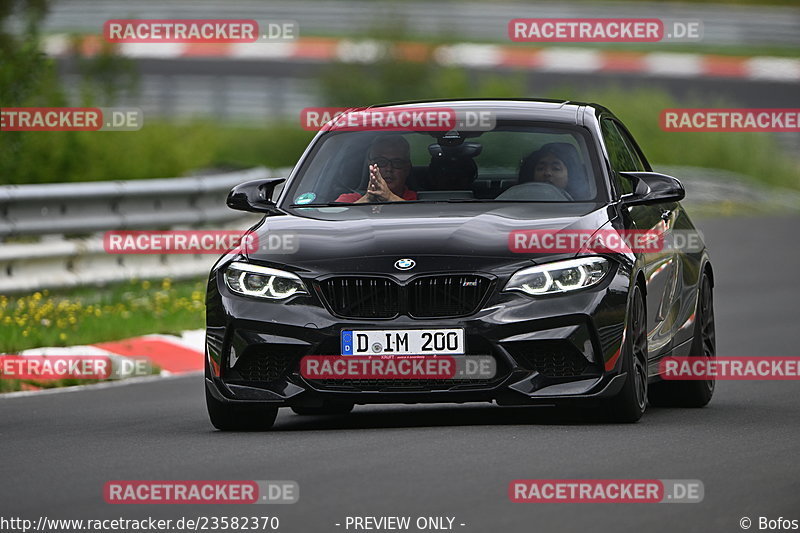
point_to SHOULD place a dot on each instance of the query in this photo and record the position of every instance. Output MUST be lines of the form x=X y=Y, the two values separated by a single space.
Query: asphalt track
x=57 y=451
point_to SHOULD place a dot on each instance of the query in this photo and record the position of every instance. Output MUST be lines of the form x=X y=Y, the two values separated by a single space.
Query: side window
x=620 y=156
x=631 y=145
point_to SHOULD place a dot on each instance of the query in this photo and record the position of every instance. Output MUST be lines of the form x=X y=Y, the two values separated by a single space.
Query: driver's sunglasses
x=397 y=164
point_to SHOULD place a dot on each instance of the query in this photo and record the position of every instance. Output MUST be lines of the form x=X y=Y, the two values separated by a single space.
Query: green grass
x=92 y=315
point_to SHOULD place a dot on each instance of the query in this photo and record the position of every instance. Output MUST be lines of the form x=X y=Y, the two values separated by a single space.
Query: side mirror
x=254 y=196
x=652 y=188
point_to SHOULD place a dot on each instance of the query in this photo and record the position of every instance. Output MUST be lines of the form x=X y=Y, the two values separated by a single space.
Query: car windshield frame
x=593 y=166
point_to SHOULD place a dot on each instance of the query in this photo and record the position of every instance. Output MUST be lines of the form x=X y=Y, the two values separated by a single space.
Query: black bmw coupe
x=460 y=239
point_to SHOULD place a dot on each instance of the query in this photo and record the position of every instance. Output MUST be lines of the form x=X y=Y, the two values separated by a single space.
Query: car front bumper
x=547 y=350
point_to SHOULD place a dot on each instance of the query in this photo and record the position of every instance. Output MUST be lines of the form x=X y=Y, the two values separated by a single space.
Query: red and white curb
x=545 y=59
x=173 y=355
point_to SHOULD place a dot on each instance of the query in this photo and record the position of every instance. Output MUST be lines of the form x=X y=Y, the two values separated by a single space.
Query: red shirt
x=354 y=196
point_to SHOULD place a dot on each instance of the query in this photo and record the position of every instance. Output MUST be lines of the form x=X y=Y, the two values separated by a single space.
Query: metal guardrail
x=67 y=208
x=66 y=221
x=50 y=213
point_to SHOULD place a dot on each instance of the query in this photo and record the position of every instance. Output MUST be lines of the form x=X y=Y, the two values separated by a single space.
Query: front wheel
x=693 y=393
x=240 y=417
x=630 y=403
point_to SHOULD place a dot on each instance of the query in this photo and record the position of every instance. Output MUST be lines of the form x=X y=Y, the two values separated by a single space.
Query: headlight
x=262 y=282
x=561 y=276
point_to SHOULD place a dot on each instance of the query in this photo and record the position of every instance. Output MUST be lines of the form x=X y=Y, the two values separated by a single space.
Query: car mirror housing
x=652 y=188
x=254 y=196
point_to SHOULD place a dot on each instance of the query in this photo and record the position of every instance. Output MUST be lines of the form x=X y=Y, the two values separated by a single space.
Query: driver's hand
x=377 y=189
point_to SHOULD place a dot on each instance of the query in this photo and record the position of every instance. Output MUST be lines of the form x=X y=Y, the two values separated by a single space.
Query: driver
x=550 y=168
x=389 y=168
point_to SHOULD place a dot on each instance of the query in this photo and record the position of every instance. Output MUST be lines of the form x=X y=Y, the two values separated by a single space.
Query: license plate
x=403 y=342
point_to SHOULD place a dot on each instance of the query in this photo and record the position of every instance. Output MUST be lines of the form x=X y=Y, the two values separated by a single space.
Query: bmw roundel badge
x=404 y=264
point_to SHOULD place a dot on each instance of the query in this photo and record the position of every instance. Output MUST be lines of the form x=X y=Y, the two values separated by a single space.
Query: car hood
x=444 y=242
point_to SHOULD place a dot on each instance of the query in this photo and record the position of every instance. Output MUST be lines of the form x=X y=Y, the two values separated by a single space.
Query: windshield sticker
x=305 y=198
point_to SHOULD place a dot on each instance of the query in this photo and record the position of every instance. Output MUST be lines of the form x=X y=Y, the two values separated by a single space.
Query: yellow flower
x=62 y=336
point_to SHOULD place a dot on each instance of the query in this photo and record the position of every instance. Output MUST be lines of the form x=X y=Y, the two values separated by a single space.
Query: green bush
x=158 y=150
x=396 y=81
x=757 y=155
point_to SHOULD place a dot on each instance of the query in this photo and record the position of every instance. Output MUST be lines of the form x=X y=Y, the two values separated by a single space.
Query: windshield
x=511 y=163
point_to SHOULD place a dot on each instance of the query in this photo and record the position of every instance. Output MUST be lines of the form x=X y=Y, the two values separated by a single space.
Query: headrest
x=453 y=167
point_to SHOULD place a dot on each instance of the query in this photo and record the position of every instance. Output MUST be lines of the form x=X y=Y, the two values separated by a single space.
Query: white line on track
x=97 y=386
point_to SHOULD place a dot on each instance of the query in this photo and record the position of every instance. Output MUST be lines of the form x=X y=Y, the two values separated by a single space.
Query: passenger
x=558 y=164
x=389 y=168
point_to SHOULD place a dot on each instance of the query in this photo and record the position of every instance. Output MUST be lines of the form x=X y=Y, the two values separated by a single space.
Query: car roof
x=565 y=111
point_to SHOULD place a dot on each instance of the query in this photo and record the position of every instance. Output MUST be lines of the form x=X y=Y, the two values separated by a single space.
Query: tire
x=332 y=409
x=693 y=393
x=234 y=417
x=630 y=403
